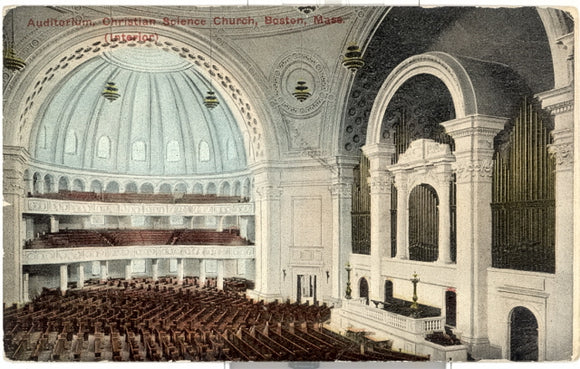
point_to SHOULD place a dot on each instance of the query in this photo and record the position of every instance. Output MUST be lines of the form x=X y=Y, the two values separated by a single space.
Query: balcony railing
x=415 y=326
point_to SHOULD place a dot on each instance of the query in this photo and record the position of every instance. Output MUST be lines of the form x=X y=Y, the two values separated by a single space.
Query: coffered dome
x=157 y=126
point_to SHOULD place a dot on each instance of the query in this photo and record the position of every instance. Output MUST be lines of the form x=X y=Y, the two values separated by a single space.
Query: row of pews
x=140 y=198
x=104 y=238
x=145 y=320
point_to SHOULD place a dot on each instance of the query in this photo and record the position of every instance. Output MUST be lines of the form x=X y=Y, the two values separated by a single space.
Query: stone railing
x=50 y=206
x=411 y=325
x=84 y=254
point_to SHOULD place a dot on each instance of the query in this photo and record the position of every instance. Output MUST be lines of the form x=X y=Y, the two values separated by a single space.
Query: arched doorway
x=363 y=288
x=523 y=335
x=388 y=290
x=423 y=223
x=450 y=308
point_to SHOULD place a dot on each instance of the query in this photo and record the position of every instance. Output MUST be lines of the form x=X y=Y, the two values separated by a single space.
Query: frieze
x=380 y=184
x=560 y=108
x=49 y=206
x=475 y=168
x=563 y=154
x=82 y=254
x=343 y=190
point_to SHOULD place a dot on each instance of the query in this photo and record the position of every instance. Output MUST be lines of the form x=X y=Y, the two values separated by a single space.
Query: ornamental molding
x=304 y=65
x=563 y=154
x=381 y=184
x=480 y=132
x=85 y=254
x=561 y=107
x=269 y=193
x=342 y=190
x=49 y=206
x=474 y=169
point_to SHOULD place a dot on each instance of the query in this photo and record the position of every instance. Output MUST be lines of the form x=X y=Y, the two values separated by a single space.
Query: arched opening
x=523 y=335
x=423 y=223
x=247 y=189
x=388 y=290
x=237 y=189
x=78 y=185
x=147 y=188
x=165 y=188
x=96 y=186
x=63 y=184
x=131 y=187
x=37 y=183
x=363 y=288
x=180 y=188
x=48 y=183
x=225 y=189
x=112 y=187
x=211 y=189
x=450 y=308
x=197 y=189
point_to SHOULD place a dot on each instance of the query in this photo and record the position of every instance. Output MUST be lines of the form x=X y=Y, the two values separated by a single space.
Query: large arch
x=235 y=81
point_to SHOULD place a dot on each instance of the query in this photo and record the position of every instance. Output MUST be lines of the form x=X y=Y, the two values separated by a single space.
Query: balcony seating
x=106 y=238
x=145 y=320
x=141 y=198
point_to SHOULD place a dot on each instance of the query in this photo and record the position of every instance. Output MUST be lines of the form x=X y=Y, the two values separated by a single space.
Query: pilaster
x=559 y=337
x=380 y=156
x=473 y=137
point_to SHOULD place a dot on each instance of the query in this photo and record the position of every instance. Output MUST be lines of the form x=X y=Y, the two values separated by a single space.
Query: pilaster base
x=267 y=297
x=479 y=348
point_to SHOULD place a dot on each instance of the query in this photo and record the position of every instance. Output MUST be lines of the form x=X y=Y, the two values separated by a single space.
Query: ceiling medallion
x=111 y=92
x=301 y=91
x=210 y=100
x=353 y=60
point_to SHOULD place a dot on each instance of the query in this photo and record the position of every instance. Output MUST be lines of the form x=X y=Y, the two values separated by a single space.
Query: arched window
x=364 y=289
x=42 y=138
x=423 y=223
x=204 y=151
x=78 y=185
x=63 y=184
x=173 y=151
x=147 y=188
x=231 y=147
x=70 y=143
x=139 y=151
x=104 y=147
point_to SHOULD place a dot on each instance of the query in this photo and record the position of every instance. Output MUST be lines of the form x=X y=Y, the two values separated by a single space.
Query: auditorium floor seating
x=145 y=198
x=116 y=237
x=146 y=320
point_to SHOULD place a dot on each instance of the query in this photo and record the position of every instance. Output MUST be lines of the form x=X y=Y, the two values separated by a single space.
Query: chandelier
x=11 y=60
x=111 y=92
x=353 y=60
x=210 y=100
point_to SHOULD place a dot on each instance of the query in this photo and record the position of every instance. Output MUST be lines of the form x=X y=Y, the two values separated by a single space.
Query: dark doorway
x=299 y=278
x=523 y=335
x=364 y=289
x=450 y=308
x=388 y=290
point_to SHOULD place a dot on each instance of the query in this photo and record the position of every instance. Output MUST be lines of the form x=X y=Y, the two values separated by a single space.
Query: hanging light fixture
x=353 y=60
x=111 y=92
x=11 y=61
x=301 y=91
x=210 y=100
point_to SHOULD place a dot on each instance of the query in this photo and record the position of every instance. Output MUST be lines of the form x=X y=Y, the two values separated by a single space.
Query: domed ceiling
x=158 y=126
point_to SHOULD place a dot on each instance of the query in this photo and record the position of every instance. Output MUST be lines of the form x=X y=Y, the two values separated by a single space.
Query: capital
x=381 y=183
x=563 y=154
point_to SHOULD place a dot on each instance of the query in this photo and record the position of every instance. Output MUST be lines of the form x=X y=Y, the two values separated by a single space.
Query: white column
x=155 y=269
x=444 y=256
x=380 y=156
x=268 y=241
x=473 y=137
x=561 y=304
x=63 y=278
x=104 y=270
x=81 y=275
x=341 y=191
x=128 y=270
x=202 y=272
x=180 y=271
x=25 y=286
x=53 y=224
x=13 y=191
x=220 y=274
x=402 y=216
